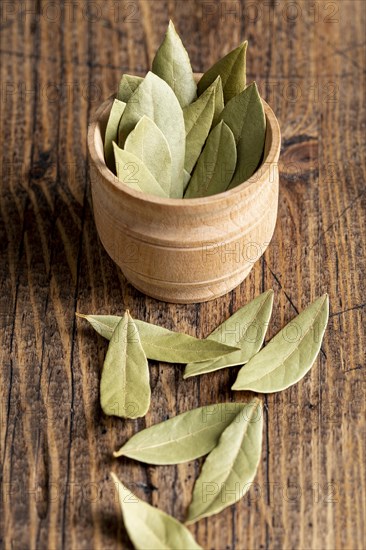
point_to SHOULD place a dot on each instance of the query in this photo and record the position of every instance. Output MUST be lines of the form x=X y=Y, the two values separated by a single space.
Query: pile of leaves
x=170 y=137
x=230 y=434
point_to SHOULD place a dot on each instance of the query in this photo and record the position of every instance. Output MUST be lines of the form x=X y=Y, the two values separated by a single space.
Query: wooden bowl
x=184 y=250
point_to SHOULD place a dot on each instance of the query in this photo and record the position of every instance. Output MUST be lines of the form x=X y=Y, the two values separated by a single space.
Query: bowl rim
x=269 y=160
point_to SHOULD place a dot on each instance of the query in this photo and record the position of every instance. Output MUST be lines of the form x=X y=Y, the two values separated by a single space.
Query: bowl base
x=186 y=293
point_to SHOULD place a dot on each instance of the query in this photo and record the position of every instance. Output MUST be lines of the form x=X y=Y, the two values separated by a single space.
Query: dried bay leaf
x=161 y=344
x=289 y=355
x=236 y=110
x=150 y=528
x=149 y=144
x=127 y=86
x=198 y=119
x=231 y=466
x=124 y=386
x=103 y=324
x=186 y=180
x=155 y=99
x=172 y=64
x=246 y=328
x=232 y=69
x=219 y=100
x=111 y=132
x=245 y=116
x=132 y=172
x=216 y=165
x=184 y=437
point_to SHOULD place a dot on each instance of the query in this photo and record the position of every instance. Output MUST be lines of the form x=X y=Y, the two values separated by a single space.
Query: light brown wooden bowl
x=184 y=250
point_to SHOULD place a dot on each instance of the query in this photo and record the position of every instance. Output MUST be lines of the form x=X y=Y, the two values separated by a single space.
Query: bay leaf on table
x=198 y=119
x=230 y=467
x=161 y=344
x=172 y=64
x=215 y=167
x=246 y=328
x=127 y=86
x=245 y=116
x=111 y=132
x=184 y=437
x=150 y=528
x=155 y=99
x=124 y=386
x=149 y=144
x=289 y=355
x=232 y=69
x=132 y=172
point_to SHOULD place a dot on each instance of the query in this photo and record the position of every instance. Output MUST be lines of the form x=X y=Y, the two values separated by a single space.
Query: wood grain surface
x=59 y=61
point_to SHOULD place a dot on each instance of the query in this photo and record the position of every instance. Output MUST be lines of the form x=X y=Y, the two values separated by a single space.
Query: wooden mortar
x=184 y=250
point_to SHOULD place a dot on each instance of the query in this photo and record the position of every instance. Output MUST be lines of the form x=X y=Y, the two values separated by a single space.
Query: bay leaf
x=289 y=355
x=161 y=344
x=149 y=144
x=150 y=528
x=155 y=99
x=111 y=132
x=230 y=468
x=132 y=172
x=128 y=84
x=219 y=100
x=184 y=437
x=172 y=64
x=215 y=167
x=232 y=69
x=124 y=386
x=186 y=180
x=245 y=116
x=198 y=119
x=246 y=329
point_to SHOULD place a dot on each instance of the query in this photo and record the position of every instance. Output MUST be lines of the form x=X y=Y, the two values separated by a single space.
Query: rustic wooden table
x=59 y=61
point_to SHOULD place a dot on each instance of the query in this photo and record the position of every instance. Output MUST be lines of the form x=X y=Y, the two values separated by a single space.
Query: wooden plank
x=56 y=444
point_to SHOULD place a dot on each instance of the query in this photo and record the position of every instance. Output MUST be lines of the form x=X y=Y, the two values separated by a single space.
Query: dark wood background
x=59 y=61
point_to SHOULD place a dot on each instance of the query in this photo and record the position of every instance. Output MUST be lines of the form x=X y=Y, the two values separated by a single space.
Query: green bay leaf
x=289 y=355
x=172 y=64
x=111 y=132
x=150 y=528
x=245 y=116
x=215 y=167
x=132 y=172
x=219 y=99
x=231 y=466
x=155 y=99
x=232 y=69
x=127 y=86
x=149 y=144
x=198 y=119
x=246 y=329
x=184 y=437
x=161 y=344
x=186 y=180
x=124 y=386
